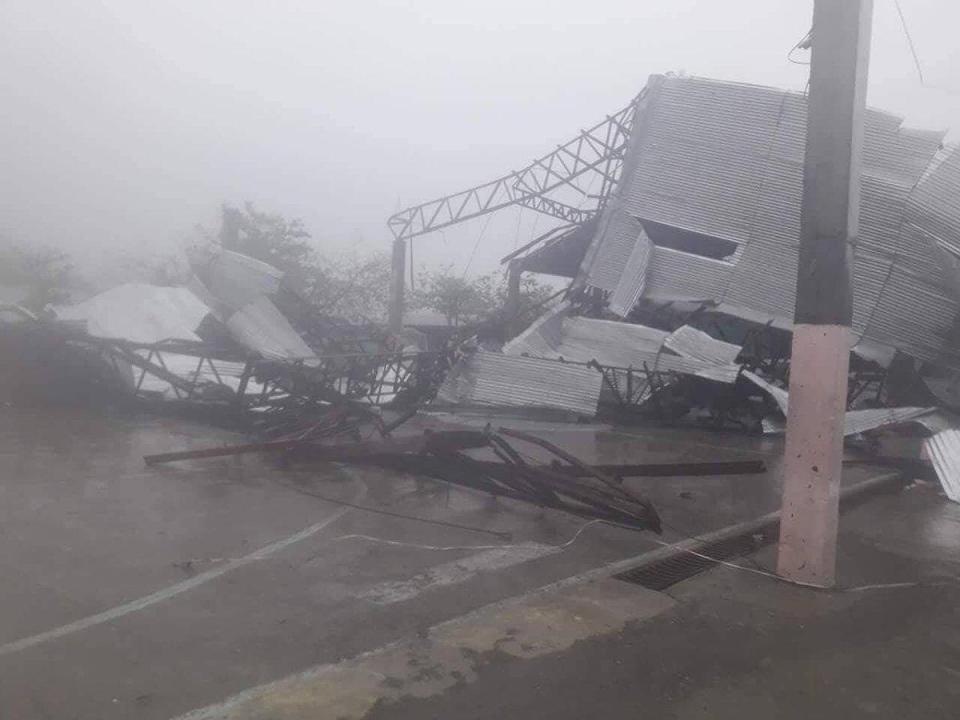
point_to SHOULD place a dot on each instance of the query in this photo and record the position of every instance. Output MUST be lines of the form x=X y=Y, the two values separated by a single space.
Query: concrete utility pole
x=397 y=267
x=821 y=333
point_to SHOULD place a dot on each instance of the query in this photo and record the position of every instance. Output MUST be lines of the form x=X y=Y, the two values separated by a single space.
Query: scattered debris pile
x=485 y=460
x=683 y=272
x=679 y=309
x=221 y=347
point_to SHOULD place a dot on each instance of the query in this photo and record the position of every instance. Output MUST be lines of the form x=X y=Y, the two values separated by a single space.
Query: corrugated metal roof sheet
x=496 y=380
x=261 y=327
x=618 y=233
x=943 y=449
x=625 y=345
x=140 y=313
x=693 y=343
x=855 y=421
x=579 y=339
x=860 y=421
x=726 y=160
x=633 y=281
x=237 y=280
x=780 y=396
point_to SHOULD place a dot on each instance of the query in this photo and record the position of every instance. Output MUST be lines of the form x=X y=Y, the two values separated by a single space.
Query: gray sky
x=127 y=122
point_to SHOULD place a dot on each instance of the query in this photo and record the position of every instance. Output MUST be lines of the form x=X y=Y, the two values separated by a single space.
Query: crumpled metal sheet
x=726 y=160
x=861 y=421
x=633 y=281
x=855 y=421
x=615 y=344
x=579 y=339
x=261 y=327
x=780 y=396
x=140 y=313
x=698 y=345
x=494 y=380
x=618 y=232
x=237 y=280
x=943 y=449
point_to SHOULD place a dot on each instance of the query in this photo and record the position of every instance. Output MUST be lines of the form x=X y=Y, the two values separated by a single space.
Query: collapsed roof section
x=558 y=335
x=707 y=209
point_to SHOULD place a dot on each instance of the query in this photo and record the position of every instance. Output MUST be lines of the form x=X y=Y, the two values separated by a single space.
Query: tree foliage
x=269 y=237
x=350 y=286
x=45 y=274
x=464 y=301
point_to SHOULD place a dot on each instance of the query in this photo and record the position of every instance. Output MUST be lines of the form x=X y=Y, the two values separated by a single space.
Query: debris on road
x=682 y=274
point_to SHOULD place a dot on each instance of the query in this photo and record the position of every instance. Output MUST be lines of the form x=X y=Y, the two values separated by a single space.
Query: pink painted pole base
x=813 y=456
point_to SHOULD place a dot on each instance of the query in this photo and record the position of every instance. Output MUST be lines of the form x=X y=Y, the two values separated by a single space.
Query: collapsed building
x=683 y=273
x=235 y=346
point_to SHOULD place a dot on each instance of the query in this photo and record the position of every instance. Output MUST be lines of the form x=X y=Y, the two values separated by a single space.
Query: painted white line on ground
x=168 y=592
x=221 y=710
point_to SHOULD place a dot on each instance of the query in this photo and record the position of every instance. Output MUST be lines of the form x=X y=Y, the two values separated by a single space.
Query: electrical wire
x=477 y=244
x=779 y=578
x=953 y=582
x=516 y=237
x=802 y=44
x=391 y=513
x=446 y=548
x=913 y=49
x=800 y=583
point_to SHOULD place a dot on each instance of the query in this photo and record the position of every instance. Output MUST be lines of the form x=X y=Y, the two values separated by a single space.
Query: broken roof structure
x=707 y=209
x=701 y=184
x=695 y=231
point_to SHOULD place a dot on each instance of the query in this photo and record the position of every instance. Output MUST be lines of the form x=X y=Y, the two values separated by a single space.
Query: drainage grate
x=662 y=574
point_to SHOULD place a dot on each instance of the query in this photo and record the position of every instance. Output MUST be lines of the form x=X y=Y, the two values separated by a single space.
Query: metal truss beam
x=594 y=153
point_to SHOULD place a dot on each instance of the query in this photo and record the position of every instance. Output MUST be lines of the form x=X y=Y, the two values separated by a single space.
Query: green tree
x=45 y=275
x=464 y=301
x=460 y=300
x=533 y=298
x=350 y=286
x=270 y=237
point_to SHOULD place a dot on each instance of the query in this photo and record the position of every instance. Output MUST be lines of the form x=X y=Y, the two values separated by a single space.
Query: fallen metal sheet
x=633 y=281
x=542 y=337
x=698 y=345
x=140 y=313
x=579 y=339
x=874 y=352
x=237 y=280
x=615 y=344
x=855 y=421
x=943 y=449
x=861 y=421
x=725 y=161
x=491 y=379
x=780 y=396
x=262 y=328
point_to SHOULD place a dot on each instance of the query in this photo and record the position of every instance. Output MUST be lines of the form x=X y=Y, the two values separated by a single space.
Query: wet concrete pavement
x=737 y=645
x=134 y=592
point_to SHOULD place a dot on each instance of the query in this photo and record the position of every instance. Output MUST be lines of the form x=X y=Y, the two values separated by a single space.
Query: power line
x=913 y=49
x=477 y=244
x=802 y=44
